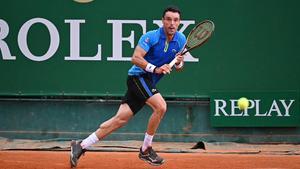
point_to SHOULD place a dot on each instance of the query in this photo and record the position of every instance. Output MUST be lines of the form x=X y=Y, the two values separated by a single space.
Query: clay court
x=119 y=160
x=37 y=154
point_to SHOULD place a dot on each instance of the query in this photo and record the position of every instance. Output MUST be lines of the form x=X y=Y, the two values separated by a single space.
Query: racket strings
x=199 y=35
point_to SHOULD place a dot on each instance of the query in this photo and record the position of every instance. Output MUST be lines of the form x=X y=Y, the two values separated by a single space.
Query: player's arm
x=139 y=60
x=180 y=62
x=180 y=56
x=138 y=57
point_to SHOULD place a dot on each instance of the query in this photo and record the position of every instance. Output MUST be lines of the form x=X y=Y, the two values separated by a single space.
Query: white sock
x=147 y=142
x=91 y=139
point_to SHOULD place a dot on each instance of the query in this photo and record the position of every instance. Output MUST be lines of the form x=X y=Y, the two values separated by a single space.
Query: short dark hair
x=171 y=8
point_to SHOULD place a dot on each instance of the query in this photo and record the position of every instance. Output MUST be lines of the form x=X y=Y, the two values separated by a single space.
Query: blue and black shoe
x=76 y=152
x=150 y=156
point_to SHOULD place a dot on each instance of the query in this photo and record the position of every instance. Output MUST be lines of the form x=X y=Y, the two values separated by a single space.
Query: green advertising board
x=266 y=109
x=83 y=49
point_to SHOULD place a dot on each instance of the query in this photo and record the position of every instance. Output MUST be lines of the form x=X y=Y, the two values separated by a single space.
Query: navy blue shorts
x=139 y=89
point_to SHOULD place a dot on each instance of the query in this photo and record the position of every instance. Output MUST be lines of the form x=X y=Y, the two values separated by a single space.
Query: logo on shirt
x=147 y=40
x=174 y=50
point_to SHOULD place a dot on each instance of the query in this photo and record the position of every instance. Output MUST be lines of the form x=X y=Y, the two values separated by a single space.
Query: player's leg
x=78 y=148
x=123 y=115
x=159 y=106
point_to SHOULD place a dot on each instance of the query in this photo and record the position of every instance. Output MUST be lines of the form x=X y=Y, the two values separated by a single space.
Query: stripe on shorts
x=145 y=86
x=138 y=86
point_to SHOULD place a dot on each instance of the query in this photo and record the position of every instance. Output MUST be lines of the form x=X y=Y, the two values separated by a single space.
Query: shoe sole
x=73 y=164
x=153 y=164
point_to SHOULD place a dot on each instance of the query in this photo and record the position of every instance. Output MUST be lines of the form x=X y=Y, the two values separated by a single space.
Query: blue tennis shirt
x=159 y=51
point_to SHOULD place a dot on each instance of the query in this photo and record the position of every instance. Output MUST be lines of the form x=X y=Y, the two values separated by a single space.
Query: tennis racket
x=198 y=36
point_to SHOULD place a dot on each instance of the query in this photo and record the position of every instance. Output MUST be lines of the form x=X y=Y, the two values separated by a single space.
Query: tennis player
x=151 y=56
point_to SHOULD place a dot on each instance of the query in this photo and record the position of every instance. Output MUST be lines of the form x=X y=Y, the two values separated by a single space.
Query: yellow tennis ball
x=243 y=103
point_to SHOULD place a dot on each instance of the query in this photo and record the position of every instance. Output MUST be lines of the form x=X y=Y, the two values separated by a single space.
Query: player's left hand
x=179 y=58
x=165 y=69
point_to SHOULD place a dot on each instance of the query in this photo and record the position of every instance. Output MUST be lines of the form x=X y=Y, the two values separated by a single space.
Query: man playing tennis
x=151 y=56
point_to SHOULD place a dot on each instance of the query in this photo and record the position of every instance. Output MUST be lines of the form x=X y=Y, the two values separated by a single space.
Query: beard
x=171 y=31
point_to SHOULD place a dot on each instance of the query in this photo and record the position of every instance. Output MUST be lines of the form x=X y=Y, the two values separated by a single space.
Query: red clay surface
x=123 y=160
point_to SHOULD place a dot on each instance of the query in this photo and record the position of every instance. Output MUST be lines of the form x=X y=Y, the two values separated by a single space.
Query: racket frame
x=187 y=48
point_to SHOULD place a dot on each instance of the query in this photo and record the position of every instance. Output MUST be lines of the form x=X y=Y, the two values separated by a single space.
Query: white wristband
x=150 y=68
x=180 y=65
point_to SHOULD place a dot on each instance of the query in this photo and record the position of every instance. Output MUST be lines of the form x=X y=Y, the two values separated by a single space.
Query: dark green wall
x=254 y=47
x=76 y=119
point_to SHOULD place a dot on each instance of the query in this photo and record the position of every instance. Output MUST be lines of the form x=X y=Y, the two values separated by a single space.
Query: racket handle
x=172 y=63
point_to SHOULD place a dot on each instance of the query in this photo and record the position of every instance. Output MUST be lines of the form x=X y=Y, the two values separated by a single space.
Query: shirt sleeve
x=147 y=40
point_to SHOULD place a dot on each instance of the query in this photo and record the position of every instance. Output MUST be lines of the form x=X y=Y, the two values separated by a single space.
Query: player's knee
x=161 y=109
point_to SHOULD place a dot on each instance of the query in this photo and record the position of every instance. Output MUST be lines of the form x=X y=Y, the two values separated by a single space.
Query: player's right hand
x=179 y=58
x=165 y=69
